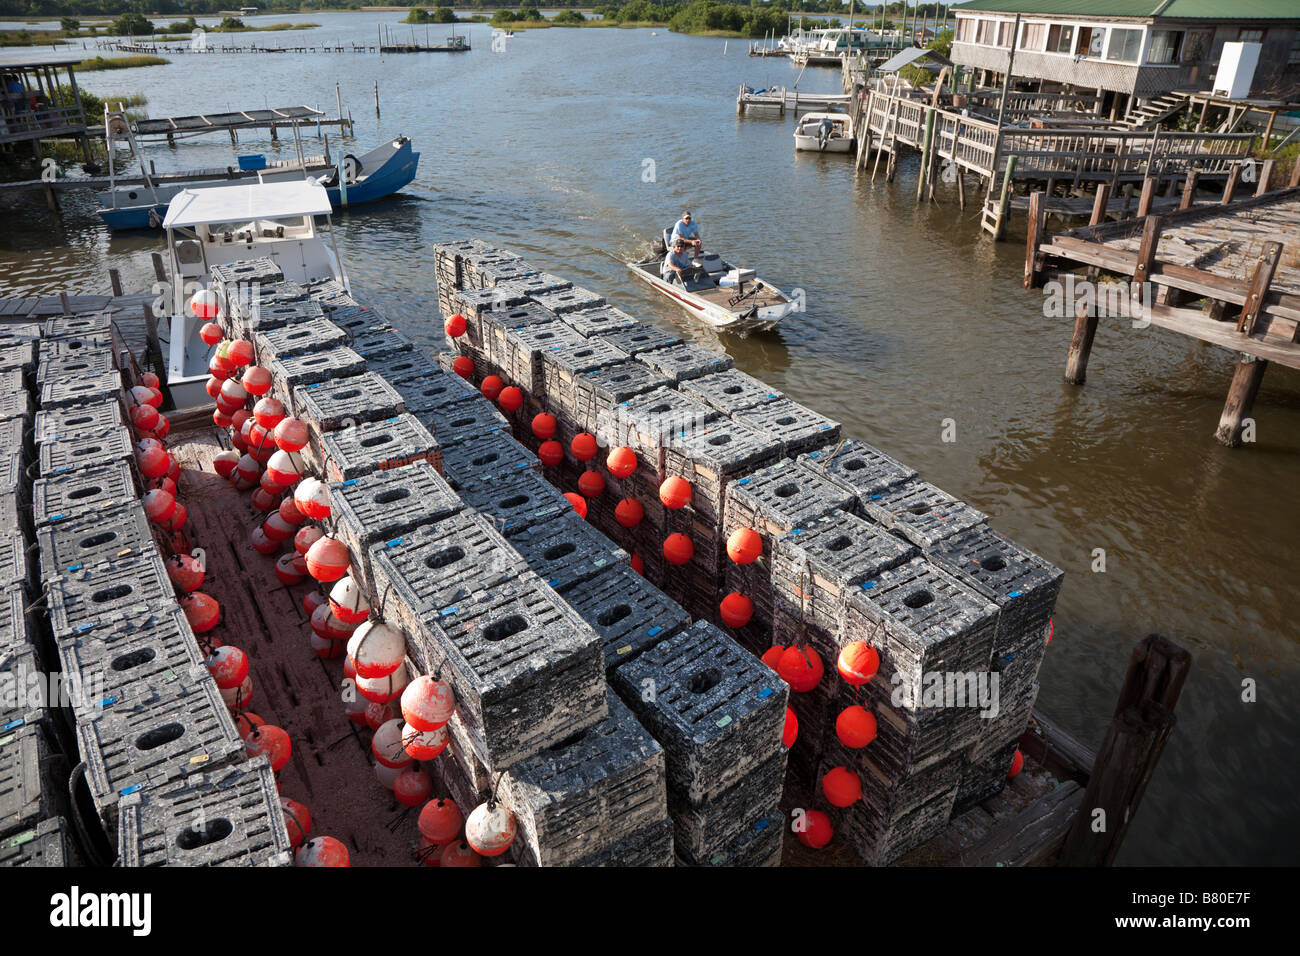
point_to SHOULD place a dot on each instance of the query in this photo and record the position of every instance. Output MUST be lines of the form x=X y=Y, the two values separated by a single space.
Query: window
x=988 y=32
x=1004 y=33
x=1124 y=46
x=1196 y=46
x=1166 y=46
x=1033 y=36
x=1060 y=38
x=966 y=27
x=1091 y=40
x=1251 y=36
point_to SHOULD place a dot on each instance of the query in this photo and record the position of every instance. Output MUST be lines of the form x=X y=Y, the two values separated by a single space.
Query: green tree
x=132 y=25
x=70 y=25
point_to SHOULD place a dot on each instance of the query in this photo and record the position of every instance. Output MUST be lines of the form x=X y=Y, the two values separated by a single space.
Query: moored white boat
x=824 y=133
x=718 y=293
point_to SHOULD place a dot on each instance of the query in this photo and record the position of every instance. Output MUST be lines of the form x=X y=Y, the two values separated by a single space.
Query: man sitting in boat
x=688 y=231
x=676 y=262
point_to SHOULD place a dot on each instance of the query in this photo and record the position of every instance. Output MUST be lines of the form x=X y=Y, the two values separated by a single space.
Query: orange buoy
x=256 y=380
x=268 y=412
x=268 y=483
x=386 y=745
x=790 y=732
x=286 y=572
x=591 y=484
x=383 y=689
x=678 y=548
x=324 y=648
x=238 y=417
x=841 y=787
x=305 y=537
x=179 y=517
x=629 y=512
x=637 y=564
x=490 y=829
x=326 y=625
x=772 y=656
x=213 y=387
x=322 y=851
x=376 y=650
x=211 y=333
x=440 y=821
x=551 y=453
x=151 y=457
x=246 y=722
x=237 y=698
x=328 y=559
x=272 y=741
x=354 y=705
x=579 y=503
x=736 y=610
x=240 y=352
x=800 y=667
x=412 y=787
x=205 y=304
x=228 y=666
x=163 y=427
x=621 y=461
x=164 y=483
x=232 y=394
x=584 y=446
x=248 y=470
x=855 y=726
x=675 y=492
x=291 y=434
x=159 y=506
x=285 y=467
x=814 y=829
x=299 y=563
x=455 y=326
x=424 y=744
x=377 y=714
x=265 y=501
x=544 y=426
x=312 y=497
x=144 y=418
x=297 y=820
x=186 y=571
x=511 y=399
x=257 y=537
x=201 y=611
x=290 y=514
x=348 y=601
x=1017 y=764
x=491 y=387
x=463 y=366
x=149 y=378
x=219 y=369
x=311 y=601
x=744 y=545
x=857 y=663
x=427 y=703
x=278 y=530
x=458 y=854
x=220 y=419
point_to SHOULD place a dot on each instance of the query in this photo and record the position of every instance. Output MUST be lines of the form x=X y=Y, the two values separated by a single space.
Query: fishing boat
x=210 y=227
x=718 y=293
x=825 y=133
x=382 y=171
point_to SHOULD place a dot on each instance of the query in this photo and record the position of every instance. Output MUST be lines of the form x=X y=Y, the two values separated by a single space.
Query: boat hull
x=812 y=145
x=765 y=319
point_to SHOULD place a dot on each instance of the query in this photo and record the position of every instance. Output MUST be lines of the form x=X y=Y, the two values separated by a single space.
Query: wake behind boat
x=716 y=292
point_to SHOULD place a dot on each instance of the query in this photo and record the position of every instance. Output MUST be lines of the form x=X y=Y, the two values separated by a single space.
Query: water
x=913 y=319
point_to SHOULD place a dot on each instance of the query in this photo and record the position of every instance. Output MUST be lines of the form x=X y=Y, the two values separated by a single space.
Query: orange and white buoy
x=291 y=434
x=224 y=463
x=228 y=666
x=305 y=537
x=237 y=698
x=270 y=740
x=286 y=572
x=490 y=829
x=268 y=412
x=348 y=601
x=322 y=851
x=440 y=821
x=186 y=571
x=256 y=380
x=277 y=529
x=285 y=467
x=159 y=506
x=203 y=612
x=297 y=820
x=312 y=496
x=412 y=787
x=428 y=703
x=258 y=539
x=377 y=650
x=423 y=744
x=383 y=689
x=205 y=305
x=386 y=745
x=328 y=559
x=459 y=854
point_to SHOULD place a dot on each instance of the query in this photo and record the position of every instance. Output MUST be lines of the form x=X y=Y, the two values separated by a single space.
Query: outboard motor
x=823 y=133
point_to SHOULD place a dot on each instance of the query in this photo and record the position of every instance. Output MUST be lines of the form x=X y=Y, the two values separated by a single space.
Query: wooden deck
x=330 y=771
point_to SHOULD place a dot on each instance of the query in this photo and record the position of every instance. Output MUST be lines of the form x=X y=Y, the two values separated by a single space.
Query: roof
x=246 y=201
x=11 y=60
x=911 y=55
x=1173 y=9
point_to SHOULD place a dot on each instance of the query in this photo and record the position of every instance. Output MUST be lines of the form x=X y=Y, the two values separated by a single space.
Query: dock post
x=1148 y=196
x=1189 y=190
x=1085 y=330
x=153 y=349
x=926 y=145
x=1265 y=174
x=1260 y=279
x=1100 y=202
x=1230 y=187
x=1295 y=175
x=1143 y=720
x=159 y=272
x=1004 y=201
x=1037 y=232
x=115 y=282
x=1241 y=398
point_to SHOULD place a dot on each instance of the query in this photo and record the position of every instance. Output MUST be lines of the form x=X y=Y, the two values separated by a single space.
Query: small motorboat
x=216 y=226
x=824 y=133
x=720 y=294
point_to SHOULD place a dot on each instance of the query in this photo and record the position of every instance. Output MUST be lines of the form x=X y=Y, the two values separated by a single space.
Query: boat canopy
x=247 y=202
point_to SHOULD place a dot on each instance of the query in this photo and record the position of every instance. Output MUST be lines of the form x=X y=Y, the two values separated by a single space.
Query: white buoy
x=376 y=648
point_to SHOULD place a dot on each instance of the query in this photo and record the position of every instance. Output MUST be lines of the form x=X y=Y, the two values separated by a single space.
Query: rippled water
x=913 y=318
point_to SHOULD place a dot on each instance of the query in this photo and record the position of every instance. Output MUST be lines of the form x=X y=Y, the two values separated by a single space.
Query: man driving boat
x=676 y=262
x=688 y=231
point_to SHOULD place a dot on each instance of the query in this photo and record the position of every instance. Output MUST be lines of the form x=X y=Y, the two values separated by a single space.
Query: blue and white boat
x=382 y=171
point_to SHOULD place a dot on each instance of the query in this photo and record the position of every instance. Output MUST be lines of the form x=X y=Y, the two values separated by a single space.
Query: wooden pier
x=1225 y=273
x=284 y=117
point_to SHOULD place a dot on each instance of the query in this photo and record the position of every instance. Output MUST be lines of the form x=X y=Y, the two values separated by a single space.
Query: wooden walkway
x=1227 y=274
x=128 y=312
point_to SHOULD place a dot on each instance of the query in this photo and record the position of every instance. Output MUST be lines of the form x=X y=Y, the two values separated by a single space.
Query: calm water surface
x=913 y=318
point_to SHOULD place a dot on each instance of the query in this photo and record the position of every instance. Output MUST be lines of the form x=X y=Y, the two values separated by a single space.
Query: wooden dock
x=781 y=100
x=1225 y=273
x=284 y=117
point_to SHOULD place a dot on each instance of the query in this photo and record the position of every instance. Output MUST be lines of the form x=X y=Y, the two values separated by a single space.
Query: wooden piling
x=1143 y=720
x=1189 y=190
x=1260 y=279
x=1230 y=187
x=115 y=281
x=1148 y=196
x=1265 y=174
x=1037 y=228
x=1246 y=380
x=159 y=272
x=1004 y=201
x=1085 y=330
x=1099 y=204
x=926 y=145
